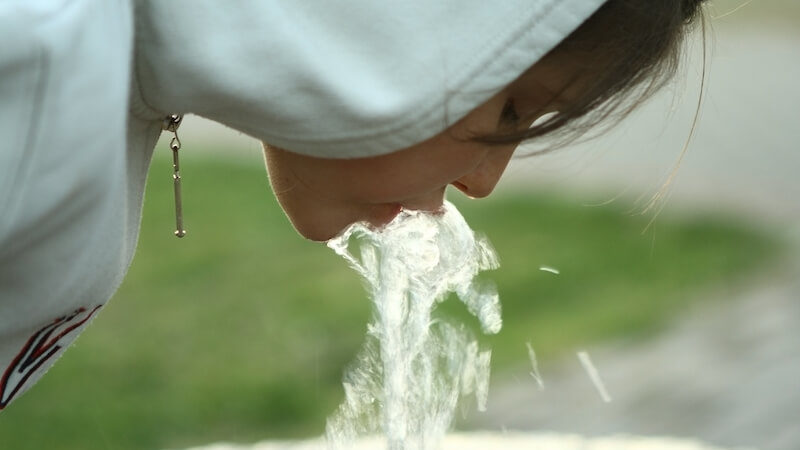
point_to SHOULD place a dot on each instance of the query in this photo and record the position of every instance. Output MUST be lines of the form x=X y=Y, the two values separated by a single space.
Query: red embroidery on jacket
x=39 y=349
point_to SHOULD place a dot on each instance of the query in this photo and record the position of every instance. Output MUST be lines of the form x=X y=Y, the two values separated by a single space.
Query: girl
x=364 y=108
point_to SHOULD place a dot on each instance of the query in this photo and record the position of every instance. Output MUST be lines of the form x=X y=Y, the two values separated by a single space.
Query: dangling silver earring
x=171 y=124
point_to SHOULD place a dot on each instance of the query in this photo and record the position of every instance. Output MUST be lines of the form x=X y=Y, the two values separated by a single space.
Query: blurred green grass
x=241 y=330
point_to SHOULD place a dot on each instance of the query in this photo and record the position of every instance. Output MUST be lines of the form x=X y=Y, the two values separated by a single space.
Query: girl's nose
x=481 y=182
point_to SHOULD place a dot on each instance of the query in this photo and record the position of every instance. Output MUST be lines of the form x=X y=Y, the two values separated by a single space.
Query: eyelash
x=509 y=113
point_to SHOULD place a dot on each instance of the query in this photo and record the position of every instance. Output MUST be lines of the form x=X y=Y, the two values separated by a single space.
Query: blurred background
x=241 y=331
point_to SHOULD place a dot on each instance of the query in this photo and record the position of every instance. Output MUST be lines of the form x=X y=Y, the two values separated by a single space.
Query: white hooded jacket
x=86 y=84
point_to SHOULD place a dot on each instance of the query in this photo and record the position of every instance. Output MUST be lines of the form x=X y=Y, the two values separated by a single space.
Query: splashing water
x=594 y=375
x=412 y=369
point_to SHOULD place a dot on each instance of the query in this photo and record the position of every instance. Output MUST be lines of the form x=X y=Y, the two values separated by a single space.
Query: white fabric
x=67 y=227
x=82 y=102
x=343 y=78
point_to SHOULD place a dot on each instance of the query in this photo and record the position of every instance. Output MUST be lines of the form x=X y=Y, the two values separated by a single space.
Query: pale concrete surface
x=491 y=441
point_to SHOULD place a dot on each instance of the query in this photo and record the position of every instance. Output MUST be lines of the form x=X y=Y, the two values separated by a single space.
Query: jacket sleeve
x=64 y=82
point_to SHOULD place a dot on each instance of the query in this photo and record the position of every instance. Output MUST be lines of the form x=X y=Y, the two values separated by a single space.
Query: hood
x=340 y=79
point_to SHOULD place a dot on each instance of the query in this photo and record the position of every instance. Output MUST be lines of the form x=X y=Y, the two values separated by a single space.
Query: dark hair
x=624 y=52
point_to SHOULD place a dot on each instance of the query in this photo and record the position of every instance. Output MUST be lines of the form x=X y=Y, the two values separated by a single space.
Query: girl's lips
x=384 y=215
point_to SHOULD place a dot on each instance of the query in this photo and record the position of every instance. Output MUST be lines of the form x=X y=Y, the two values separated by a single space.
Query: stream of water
x=414 y=368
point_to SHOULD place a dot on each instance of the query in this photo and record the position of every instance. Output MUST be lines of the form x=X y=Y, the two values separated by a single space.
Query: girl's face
x=323 y=196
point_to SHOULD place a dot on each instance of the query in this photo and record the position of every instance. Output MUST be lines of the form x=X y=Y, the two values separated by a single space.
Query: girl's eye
x=509 y=116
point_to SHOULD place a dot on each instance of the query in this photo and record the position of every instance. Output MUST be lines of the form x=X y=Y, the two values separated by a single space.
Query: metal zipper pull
x=171 y=124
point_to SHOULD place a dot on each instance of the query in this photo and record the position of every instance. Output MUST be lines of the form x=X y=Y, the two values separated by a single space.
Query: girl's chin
x=317 y=235
x=319 y=231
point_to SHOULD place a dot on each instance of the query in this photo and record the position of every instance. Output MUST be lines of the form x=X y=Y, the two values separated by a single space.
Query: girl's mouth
x=385 y=214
